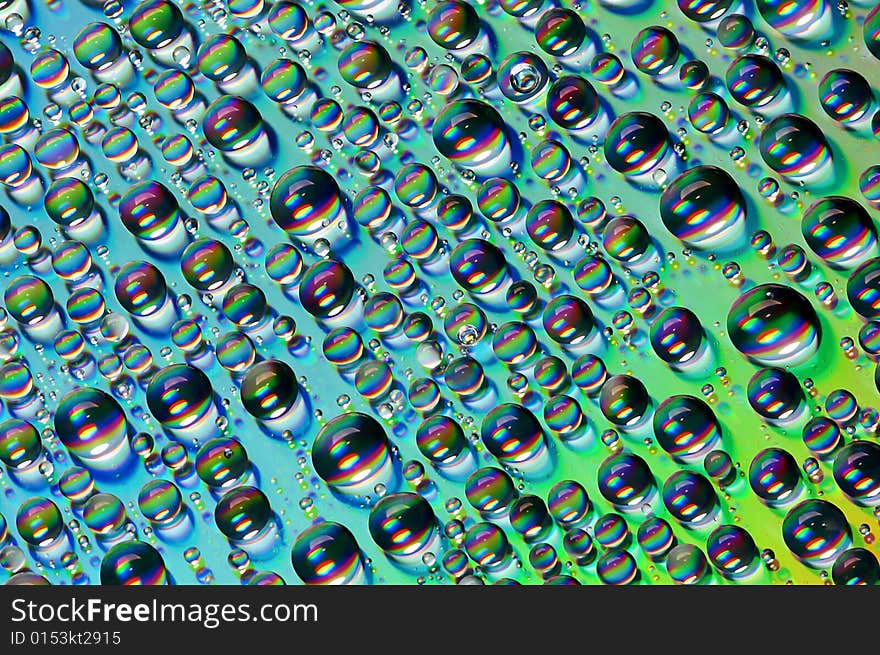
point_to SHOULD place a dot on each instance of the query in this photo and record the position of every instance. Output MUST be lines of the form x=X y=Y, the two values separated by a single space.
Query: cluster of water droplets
x=368 y=292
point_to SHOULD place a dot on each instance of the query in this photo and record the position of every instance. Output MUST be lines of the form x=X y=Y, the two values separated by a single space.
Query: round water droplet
x=140 y=288
x=530 y=518
x=160 y=501
x=754 y=81
x=774 y=324
x=305 y=202
x=845 y=95
x=794 y=146
x=245 y=305
x=133 y=563
x=572 y=103
x=626 y=481
x=655 y=537
x=488 y=546
x=231 y=124
x=704 y=207
x=617 y=567
x=29 y=300
x=149 y=211
x=242 y=513
x=569 y=503
x=478 y=266
x=403 y=525
x=453 y=25
x=326 y=289
x=441 y=440
x=180 y=396
x=68 y=201
x=365 y=65
x=221 y=462
x=822 y=436
x=863 y=289
x=207 y=265
x=732 y=551
x=816 y=532
x=471 y=134
x=775 y=394
x=327 y=554
x=351 y=453
x=97 y=46
x=624 y=400
x=490 y=491
x=690 y=498
x=522 y=77
x=20 y=444
x=687 y=565
x=39 y=522
x=550 y=225
x=857 y=471
x=775 y=477
x=677 y=335
x=611 y=531
x=569 y=321
x=856 y=566
x=269 y=389
x=104 y=514
x=560 y=32
x=512 y=434
x=840 y=231
x=708 y=113
x=655 y=51
x=626 y=239
x=636 y=143
x=284 y=81
x=871 y=31
x=221 y=57
x=92 y=426
x=155 y=23
x=416 y=185
x=686 y=427
x=804 y=19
